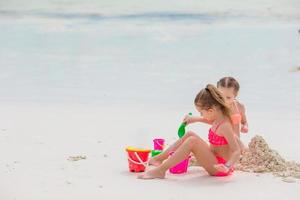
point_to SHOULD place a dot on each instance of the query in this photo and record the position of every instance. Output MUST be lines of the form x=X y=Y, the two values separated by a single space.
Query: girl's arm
x=189 y=120
x=203 y=120
x=244 y=128
x=228 y=133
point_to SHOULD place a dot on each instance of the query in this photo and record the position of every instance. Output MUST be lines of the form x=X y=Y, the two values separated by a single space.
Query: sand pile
x=261 y=159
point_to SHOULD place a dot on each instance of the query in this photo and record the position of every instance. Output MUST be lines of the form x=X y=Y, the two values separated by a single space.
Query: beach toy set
x=138 y=158
x=178 y=168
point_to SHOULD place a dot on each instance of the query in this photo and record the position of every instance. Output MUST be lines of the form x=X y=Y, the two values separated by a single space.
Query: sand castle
x=261 y=159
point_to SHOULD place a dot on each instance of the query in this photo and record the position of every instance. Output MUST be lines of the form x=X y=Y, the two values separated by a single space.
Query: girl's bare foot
x=154 y=162
x=152 y=174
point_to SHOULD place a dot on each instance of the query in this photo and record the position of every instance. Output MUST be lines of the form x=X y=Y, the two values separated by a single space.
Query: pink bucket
x=158 y=144
x=181 y=167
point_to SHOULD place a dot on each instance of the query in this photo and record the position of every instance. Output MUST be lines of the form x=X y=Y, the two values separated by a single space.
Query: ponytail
x=211 y=96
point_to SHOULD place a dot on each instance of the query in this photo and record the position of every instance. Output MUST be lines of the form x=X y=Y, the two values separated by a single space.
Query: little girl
x=229 y=87
x=218 y=157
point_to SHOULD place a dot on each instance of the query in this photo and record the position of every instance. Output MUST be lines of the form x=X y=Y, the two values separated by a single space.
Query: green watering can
x=181 y=129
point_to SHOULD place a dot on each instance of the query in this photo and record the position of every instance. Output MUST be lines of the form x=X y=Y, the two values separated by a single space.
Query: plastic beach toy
x=181 y=167
x=155 y=152
x=137 y=159
x=158 y=144
x=181 y=129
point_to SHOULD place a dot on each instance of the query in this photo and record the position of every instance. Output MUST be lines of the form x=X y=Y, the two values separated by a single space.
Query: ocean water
x=149 y=52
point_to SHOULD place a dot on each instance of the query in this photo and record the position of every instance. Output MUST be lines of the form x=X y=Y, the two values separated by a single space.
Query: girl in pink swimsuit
x=218 y=157
x=229 y=87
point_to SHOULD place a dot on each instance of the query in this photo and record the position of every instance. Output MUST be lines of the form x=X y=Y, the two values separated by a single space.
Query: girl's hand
x=244 y=129
x=188 y=119
x=221 y=168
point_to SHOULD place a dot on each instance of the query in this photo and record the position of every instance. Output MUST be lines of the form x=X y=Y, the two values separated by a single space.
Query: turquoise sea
x=148 y=52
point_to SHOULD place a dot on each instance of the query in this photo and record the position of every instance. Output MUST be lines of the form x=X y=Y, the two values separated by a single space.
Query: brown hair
x=229 y=82
x=209 y=97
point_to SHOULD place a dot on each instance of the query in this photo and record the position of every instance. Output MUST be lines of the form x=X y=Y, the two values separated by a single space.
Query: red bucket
x=137 y=159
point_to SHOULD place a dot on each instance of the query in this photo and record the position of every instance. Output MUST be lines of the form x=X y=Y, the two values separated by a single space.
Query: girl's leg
x=157 y=160
x=192 y=144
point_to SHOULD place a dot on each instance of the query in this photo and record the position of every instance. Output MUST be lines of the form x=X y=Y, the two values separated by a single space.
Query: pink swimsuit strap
x=215 y=139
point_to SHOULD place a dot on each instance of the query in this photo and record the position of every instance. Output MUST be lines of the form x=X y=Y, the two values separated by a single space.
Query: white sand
x=37 y=140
